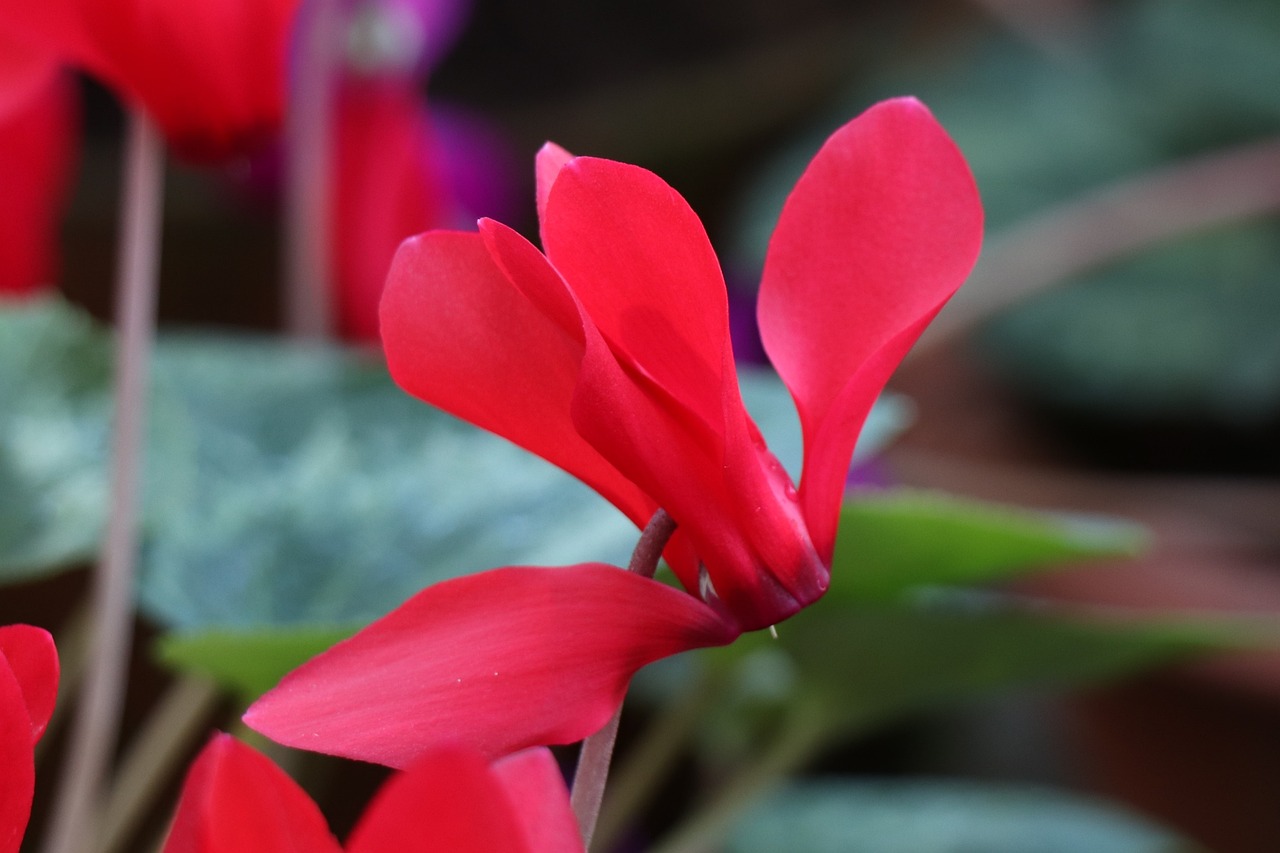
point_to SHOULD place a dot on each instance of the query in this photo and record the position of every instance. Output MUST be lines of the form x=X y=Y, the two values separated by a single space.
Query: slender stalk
x=806 y=729
x=597 y=750
x=1107 y=224
x=154 y=755
x=308 y=126
x=97 y=722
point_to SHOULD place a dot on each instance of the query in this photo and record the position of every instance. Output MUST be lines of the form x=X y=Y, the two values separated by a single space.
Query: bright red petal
x=459 y=335
x=33 y=660
x=448 y=799
x=385 y=189
x=235 y=800
x=17 y=761
x=38 y=144
x=637 y=257
x=536 y=791
x=881 y=229
x=500 y=661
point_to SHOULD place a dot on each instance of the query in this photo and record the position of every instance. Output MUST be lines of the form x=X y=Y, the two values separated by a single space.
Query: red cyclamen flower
x=211 y=74
x=28 y=690
x=236 y=801
x=610 y=357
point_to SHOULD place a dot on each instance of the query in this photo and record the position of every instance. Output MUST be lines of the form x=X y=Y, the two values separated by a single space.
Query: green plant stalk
x=805 y=729
x=97 y=723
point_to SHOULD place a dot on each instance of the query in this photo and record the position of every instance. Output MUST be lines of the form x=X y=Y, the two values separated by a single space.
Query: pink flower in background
x=28 y=690
x=610 y=356
x=210 y=74
x=39 y=128
x=235 y=800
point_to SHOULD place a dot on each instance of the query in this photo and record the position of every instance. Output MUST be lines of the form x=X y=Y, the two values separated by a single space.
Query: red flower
x=236 y=801
x=38 y=134
x=610 y=357
x=28 y=690
x=210 y=74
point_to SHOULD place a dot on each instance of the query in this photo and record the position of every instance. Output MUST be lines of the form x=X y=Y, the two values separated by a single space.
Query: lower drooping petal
x=33 y=660
x=881 y=229
x=500 y=660
x=236 y=800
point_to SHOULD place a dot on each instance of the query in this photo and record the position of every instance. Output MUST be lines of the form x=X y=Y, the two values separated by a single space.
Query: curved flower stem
x=597 y=750
x=97 y=722
x=655 y=753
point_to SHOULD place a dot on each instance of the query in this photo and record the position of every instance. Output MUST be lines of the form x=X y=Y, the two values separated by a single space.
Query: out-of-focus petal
x=500 y=661
x=459 y=335
x=211 y=75
x=881 y=229
x=17 y=762
x=638 y=258
x=535 y=789
x=386 y=188
x=38 y=146
x=33 y=661
x=448 y=799
x=235 y=800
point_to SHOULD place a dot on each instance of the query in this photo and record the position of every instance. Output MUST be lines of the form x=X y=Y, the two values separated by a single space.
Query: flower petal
x=878 y=233
x=17 y=762
x=500 y=661
x=449 y=799
x=547 y=165
x=235 y=800
x=38 y=144
x=459 y=335
x=33 y=661
x=533 y=785
x=385 y=189
x=638 y=258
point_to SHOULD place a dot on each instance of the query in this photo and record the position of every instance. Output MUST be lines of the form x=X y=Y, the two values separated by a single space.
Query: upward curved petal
x=499 y=661
x=17 y=762
x=881 y=229
x=533 y=785
x=459 y=335
x=33 y=660
x=449 y=799
x=638 y=258
x=235 y=800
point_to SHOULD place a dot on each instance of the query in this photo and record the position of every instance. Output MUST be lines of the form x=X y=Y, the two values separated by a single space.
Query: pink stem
x=597 y=750
x=97 y=723
x=308 y=155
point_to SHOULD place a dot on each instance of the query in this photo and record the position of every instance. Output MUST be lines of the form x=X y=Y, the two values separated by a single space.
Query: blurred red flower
x=28 y=690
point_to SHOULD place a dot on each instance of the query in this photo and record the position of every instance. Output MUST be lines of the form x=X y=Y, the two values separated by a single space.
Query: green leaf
x=248 y=663
x=936 y=816
x=893 y=542
x=866 y=664
x=324 y=495
x=55 y=373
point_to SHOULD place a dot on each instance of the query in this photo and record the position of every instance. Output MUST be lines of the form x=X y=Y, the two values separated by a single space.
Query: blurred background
x=1117 y=351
